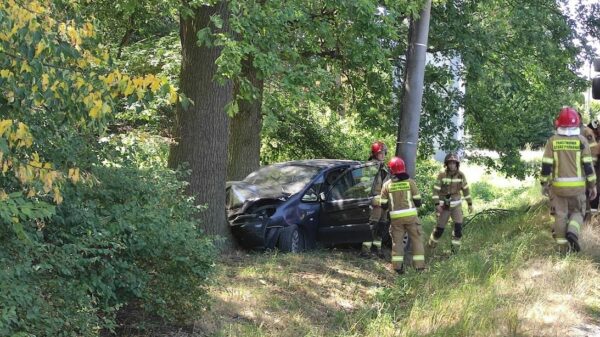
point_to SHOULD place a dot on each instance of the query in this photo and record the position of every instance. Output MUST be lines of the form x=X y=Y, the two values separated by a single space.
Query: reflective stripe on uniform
x=547 y=160
x=544 y=179
x=435 y=197
x=377 y=200
x=398 y=258
x=561 y=241
x=367 y=244
x=456 y=242
x=569 y=182
x=591 y=178
x=419 y=258
x=437 y=188
x=403 y=213
x=465 y=187
x=454 y=203
x=587 y=159
x=377 y=244
x=418 y=196
x=574 y=224
x=383 y=201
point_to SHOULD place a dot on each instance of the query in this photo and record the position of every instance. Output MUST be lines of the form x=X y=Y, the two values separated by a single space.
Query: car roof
x=320 y=163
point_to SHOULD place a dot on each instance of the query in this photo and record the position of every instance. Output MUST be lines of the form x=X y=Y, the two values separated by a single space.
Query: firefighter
x=595 y=127
x=378 y=218
x=447 y=195
x=589 y=135
x=568 y=172
x=403 y=198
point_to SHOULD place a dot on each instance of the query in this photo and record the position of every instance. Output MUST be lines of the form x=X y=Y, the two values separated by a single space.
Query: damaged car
x=292 y=206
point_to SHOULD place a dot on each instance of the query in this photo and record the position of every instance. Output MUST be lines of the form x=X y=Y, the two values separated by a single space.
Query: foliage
x=58 y=92
x=519 y=68
x=426 y=175
x=89 y=223
x=126 y=235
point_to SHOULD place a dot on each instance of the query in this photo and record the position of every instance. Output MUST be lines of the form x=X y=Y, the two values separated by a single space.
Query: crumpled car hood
x=241 y=194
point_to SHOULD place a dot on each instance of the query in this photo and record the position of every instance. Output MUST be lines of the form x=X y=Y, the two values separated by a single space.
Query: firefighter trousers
x=568 y=218
x=376 y=220
x=457 y=218
x=415 y=233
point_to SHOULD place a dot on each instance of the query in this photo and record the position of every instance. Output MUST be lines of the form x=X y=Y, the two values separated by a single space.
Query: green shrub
x=484 y=191
x=427 y=171
x=129 y=236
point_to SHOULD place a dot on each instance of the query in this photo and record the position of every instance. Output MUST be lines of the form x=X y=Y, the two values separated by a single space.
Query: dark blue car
x=294 y=205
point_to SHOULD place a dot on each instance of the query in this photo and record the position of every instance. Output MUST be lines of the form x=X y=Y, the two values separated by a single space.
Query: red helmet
x=378 y=147
x=567 y=118
x=397 y=166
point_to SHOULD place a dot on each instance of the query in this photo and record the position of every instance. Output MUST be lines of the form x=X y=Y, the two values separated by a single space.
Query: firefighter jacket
x=589 y=135
x=567 y=164
x=447 y=189
x=382 y=175
x=402 y=196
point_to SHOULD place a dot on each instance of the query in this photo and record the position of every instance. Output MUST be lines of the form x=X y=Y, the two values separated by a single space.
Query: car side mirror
x=322 y=196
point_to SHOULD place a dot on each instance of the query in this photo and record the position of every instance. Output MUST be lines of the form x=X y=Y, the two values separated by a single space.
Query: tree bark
x=244 y=133
x=201 y=129
x=410 y=114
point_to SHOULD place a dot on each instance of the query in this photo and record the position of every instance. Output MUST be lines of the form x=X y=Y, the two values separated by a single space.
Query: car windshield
x=289 y=179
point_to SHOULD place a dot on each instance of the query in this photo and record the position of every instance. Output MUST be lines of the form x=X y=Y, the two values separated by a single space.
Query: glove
x=545 y=190
x=592 y=193
x=439 y=209
x=470 y=209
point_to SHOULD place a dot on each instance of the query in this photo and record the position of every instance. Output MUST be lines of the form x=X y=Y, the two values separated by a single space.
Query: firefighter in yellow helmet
x=447 y=195
x=403 y=199
x=567 y=170
x=377 y=218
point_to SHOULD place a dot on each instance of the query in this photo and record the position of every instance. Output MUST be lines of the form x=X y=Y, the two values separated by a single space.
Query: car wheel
x=291 y=240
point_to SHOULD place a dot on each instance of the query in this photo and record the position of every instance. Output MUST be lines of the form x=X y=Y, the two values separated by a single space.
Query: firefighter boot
x=573 y=242
x=435 y=237
x=456 y=237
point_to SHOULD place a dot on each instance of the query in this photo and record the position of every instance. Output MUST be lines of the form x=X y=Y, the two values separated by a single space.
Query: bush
x=427 y=171
x=484 y=191
x=129 y=236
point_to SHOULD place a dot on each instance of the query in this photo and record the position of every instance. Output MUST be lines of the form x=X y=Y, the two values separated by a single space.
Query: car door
x=346 y=209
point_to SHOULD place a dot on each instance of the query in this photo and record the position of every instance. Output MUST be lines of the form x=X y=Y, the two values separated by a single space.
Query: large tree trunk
x=201 y=129
x=412 y=98
x=244 y=133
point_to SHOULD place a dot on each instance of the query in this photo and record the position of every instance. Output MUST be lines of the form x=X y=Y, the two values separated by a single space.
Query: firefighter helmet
x=451 y=157
x=377 y=147
x=567 y=118
x=397 y=166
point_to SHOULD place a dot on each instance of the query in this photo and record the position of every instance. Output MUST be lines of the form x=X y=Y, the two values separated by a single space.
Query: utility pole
x=412 y=97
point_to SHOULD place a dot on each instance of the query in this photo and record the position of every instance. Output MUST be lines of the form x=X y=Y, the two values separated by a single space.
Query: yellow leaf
x=4 y=125
x=39 y=48
x=74 y=174
x=45 y=81
x=31 y=193
x=172 y=95
x=6 y=73
x=57 y=197
x=3 y=195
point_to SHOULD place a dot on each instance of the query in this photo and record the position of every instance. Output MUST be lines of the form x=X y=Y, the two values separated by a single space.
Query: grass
x=506 y=281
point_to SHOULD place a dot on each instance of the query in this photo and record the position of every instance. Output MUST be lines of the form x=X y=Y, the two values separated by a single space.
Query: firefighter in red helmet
x=378 y=218
x=402 y=196
x=567 y=170
x=447 y=195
